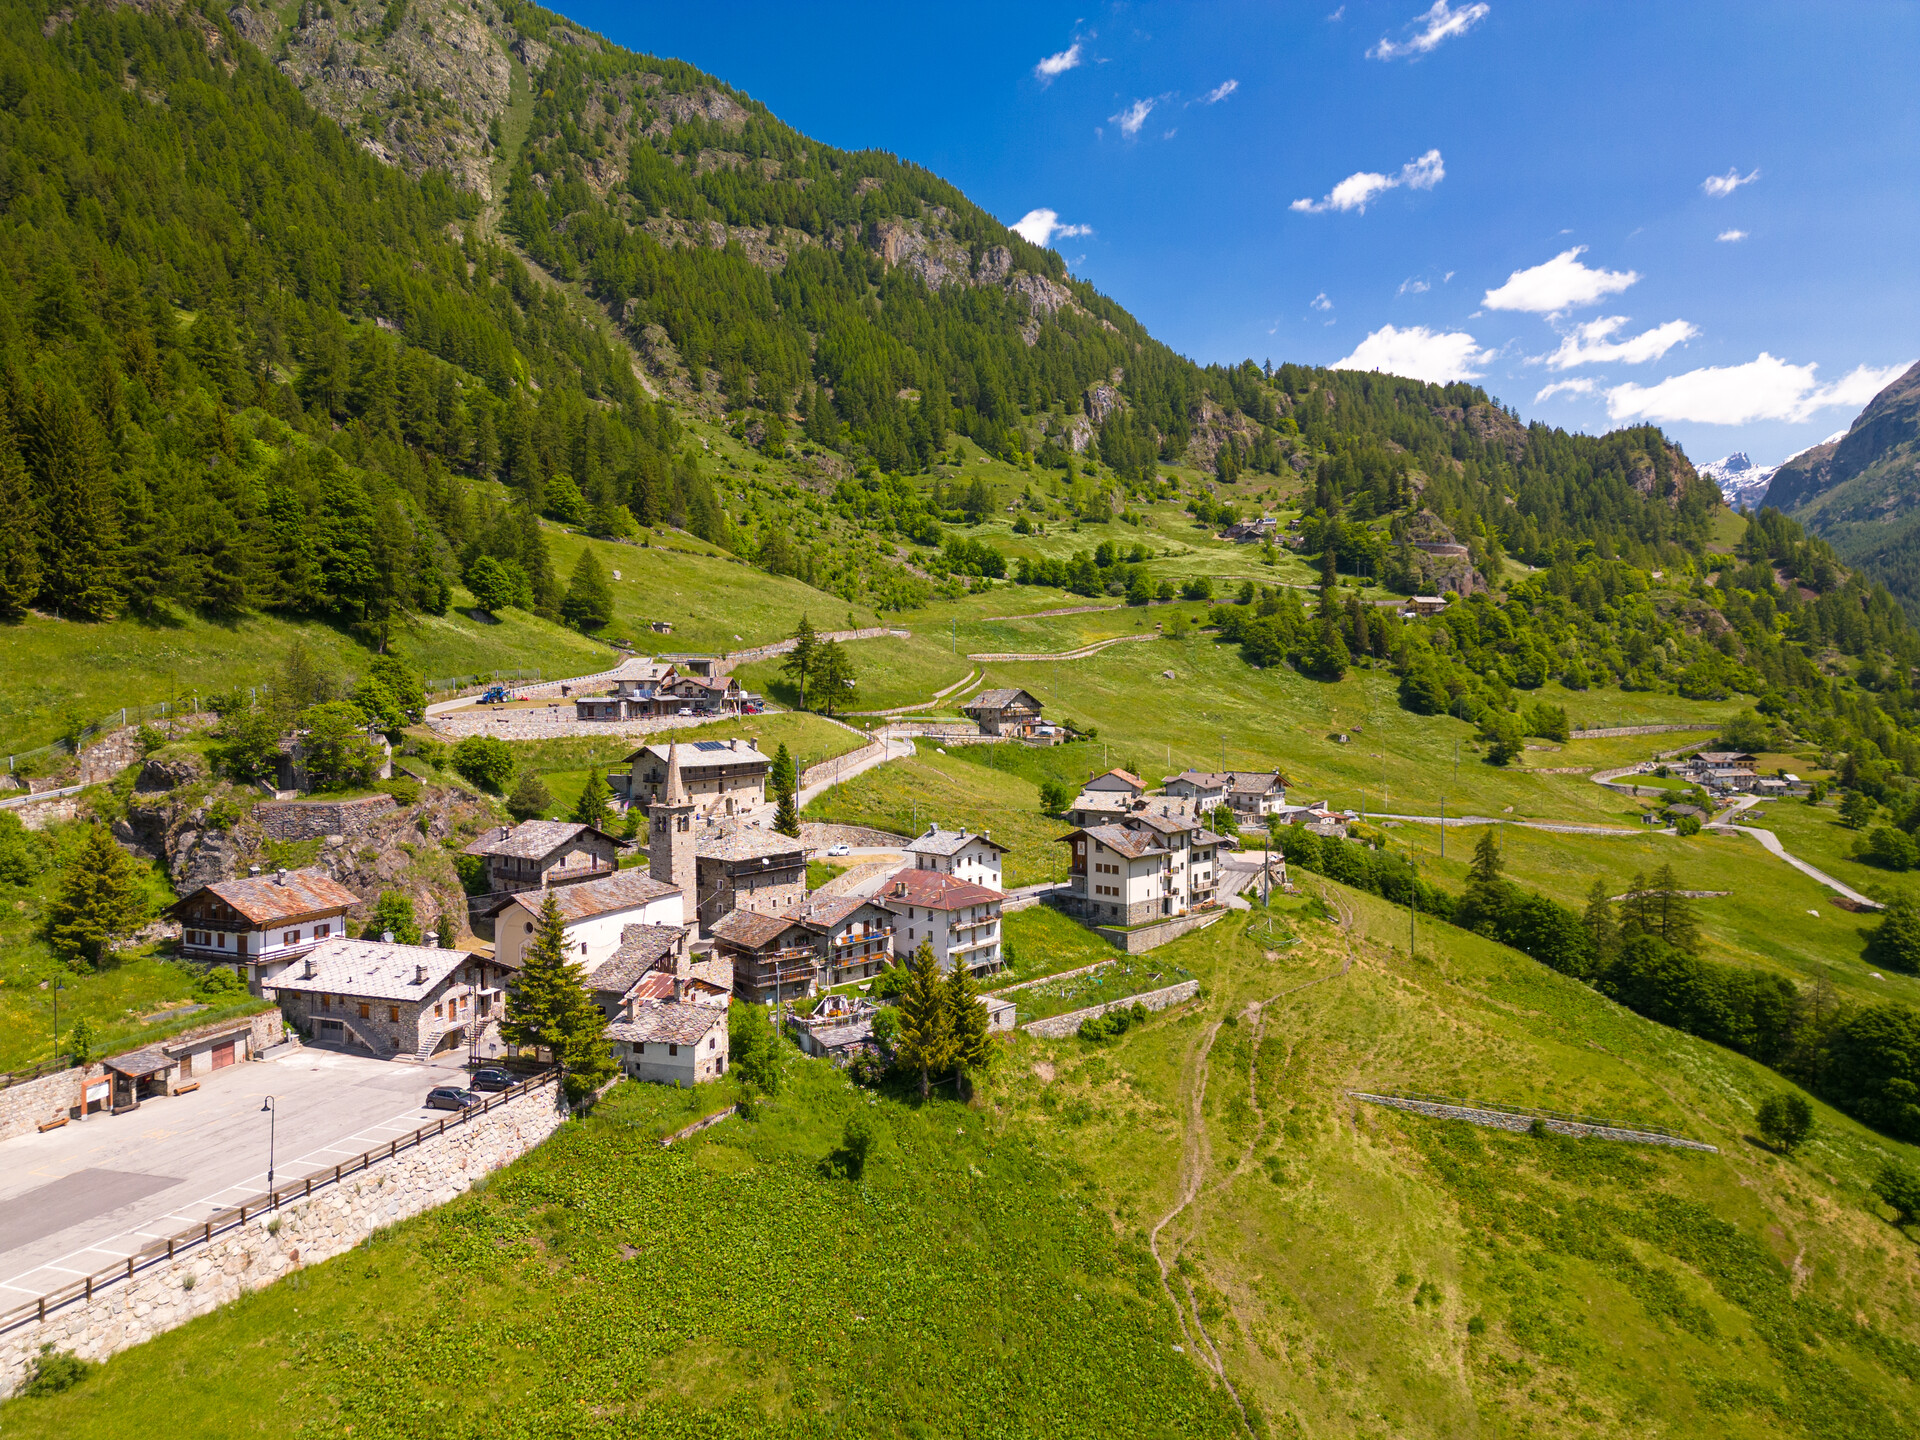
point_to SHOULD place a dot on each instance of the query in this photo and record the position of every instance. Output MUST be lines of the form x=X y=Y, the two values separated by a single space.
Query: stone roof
x=1256 y=782
x=1122 y=841
x=934 y=889
x=704 y=754
x=371 y=969
x=270 y=899
x=148 y=1060
x=747 y=842
x=669 y=1023
x=749 y=929
x=624 y=890
x=823 y=912
x=534 y=839
x=641 y=948
x=997 y=700
x=1203 y=779
x=716 y=971
x=948 y=842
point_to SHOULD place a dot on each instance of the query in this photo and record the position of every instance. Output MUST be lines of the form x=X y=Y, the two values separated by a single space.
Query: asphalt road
x=74 y=1200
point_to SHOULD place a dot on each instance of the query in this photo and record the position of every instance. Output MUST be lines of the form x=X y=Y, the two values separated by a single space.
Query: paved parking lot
x=74 y=1200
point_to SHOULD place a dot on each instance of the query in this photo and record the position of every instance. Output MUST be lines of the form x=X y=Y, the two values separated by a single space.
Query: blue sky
x=1699 y=214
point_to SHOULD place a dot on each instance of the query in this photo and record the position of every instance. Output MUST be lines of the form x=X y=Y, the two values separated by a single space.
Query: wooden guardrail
x=162 y=1251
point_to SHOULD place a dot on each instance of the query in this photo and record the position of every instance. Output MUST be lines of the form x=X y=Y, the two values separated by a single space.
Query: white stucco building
x=595 y=913
x=959 y=918
x=961 y=854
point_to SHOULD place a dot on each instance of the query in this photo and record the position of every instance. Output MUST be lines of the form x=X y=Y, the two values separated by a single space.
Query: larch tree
x=799 y=661
x=589 y=602
x=592 y=807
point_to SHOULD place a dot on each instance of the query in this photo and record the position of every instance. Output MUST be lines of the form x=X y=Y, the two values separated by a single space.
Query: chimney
x=386 y=937
x=419 y=974
x=280 y=877
x=505 y=831
x=308 y=974
x=253 y=870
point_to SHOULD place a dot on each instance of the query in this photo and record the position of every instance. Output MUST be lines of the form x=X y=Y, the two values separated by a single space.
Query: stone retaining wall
x=1056 y=1027
x=331 y=1221
x=1617 y=731
x=1080 y=653
x=783 y=647
x=1505 y=1120
x=559 y=722
x=316 y=819
x=1139 y=940
x=826 y=770
x=817 y=835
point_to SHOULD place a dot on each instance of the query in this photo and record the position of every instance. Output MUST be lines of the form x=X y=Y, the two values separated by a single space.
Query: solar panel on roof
x=711 y=745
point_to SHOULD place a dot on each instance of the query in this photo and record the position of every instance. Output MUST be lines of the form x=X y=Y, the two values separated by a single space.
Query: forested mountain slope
x=1861 y=491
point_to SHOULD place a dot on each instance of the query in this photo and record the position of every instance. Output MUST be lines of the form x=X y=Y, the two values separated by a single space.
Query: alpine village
x=817 y=835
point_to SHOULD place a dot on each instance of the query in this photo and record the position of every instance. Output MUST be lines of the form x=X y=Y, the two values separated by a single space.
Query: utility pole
x=1443 y=827
x=1413 y=897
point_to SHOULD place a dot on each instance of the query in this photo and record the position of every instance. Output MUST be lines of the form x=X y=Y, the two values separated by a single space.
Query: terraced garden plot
x=1114 y=980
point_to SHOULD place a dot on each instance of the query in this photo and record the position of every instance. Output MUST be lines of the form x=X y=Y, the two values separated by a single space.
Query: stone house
x=723 y=778
x=742 y=867
x=595 y=913
x=1205 y=788
x=392 y=1001
x=700 y=695
x=536 y=854
x=1003 y=712
x=1256 y=794
x=960 y=918
x=654 y=965
x=632 y=694
x=1143 y=868
x=672 y=1044
x=263 y=923
x=827 y=940
x=959 y=852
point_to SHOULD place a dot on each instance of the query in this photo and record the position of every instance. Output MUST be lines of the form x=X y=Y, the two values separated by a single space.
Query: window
x=436 y=1009
x=292 y=937
x=673 y=1049
x=393 y=1014
x=222 y=939
x=366 y=1011
x=321 y=932
x=326 y=1002
x=529 y=927
x=712 y=1041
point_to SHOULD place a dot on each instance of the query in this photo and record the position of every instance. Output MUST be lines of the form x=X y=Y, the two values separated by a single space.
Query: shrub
x=52 y=1371
x=1053 y=797
x=886 y=1024
x=1890 y=849
x=1894 y=944
x=1898 y=1187
x=485 y=761
x=1115 y=1022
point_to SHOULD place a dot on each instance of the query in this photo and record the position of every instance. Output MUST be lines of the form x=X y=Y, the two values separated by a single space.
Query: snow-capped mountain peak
x=1741 y=482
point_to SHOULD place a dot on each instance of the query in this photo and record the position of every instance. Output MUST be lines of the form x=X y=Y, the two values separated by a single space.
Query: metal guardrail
x=163 y=1251
x=1530 y=1112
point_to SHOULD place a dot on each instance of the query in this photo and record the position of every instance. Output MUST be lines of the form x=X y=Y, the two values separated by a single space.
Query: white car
x=841 y=849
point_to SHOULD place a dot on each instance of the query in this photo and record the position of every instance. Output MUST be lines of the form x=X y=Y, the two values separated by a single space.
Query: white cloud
x=1320 y=301
x=1766 y=388
x=1721 y=185
x=1441 y=22
x=1220 y=92
x=1133 y=117
x=1558 y=284
x=1043 y=227
x=1730 y=237
x=1420 y=353
x=1336 y=14
x=1564 y=387
x=1059 y=64
x=1414 y=285
x=1594 y=343
x=1362 y=188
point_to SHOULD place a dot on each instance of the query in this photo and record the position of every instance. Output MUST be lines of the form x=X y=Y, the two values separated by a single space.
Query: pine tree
x=530 y=797
x=833 y=677
x=800 y=659
x=446 y=932
x=550 y=1007
x=1486 y=864
x=967 y=1017
x=19 y=537
x=782 y=775
x=589 y=602
x=591 y=808
x=102 y=900
x=786 y=817
x=925 y=1042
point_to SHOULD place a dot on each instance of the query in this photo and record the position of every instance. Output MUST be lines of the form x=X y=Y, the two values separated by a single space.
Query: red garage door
x=223 y=1055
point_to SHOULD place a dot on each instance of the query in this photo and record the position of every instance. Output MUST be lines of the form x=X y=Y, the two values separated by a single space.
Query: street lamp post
x=273 y=1124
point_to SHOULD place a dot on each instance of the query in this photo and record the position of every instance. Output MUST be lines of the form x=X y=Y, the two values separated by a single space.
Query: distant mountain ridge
x=1861 y=491
x=1743 y=483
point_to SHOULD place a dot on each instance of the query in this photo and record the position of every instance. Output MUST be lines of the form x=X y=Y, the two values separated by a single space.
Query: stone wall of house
x=1056 y=1027
x=332 y=1220
x=316 y=819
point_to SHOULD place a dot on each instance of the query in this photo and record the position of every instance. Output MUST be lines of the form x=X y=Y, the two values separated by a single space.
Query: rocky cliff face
x=418 y=83
x=1872 y=473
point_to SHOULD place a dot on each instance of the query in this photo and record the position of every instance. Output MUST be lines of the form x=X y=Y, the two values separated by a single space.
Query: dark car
x=450 y=1097
x=491 y=1079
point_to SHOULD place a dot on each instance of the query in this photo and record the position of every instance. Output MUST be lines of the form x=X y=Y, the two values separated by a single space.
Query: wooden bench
x=186 y=1089
x=53 y=1124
